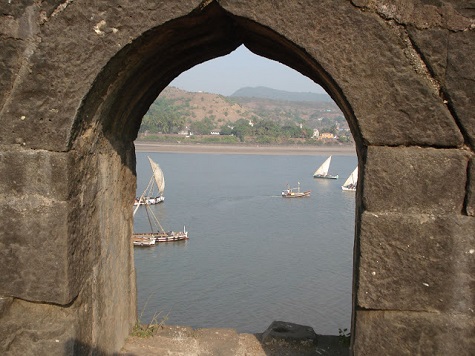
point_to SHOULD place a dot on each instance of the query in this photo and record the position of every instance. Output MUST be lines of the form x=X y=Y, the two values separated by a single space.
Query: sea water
x=253 y=257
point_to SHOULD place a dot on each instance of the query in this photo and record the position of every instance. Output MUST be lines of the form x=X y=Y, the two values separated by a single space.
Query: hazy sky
x=242 y=68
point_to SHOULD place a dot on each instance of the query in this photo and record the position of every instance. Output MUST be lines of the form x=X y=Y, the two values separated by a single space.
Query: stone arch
x=80 y=77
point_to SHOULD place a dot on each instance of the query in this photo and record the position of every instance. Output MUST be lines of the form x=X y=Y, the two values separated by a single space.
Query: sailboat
x=295 y=192
x=159 y=235
x=351 y=182
x=322 y=171
x=153 y=194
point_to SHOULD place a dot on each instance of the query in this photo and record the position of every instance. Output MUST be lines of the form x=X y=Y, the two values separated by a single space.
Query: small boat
x=351 y=182
x=153 y=194
x=322 y=171
x=169 y=236
x=139 y=240
x=295 y=192
x=149 y=200
x=153 y=237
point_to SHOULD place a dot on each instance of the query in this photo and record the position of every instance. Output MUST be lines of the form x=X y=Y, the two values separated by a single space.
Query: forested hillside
x=244 y=118
x=274 y=94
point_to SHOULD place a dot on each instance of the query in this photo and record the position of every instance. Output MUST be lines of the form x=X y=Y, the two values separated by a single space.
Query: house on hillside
x=325 y=135
x=185 y=132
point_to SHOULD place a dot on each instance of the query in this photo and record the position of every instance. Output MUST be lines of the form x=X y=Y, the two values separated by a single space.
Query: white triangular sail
x=353 y=178
x=324 y=168
x=158 y=175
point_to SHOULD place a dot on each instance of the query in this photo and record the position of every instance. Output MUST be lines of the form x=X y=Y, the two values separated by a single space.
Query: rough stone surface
x=447 y=55
x=77 y=40
x=178 y=340
x=37 y=329
x=415 y=180
x=373 y=63
x=417 y=262
x=33 y=249
x=34 y=173
x=405 y=333
x=76 y=78
x=470 y=208
x=460 y=80
x=453 y=15
x=289 y=332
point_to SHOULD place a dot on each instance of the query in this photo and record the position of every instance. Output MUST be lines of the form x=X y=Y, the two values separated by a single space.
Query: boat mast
x=143 y=196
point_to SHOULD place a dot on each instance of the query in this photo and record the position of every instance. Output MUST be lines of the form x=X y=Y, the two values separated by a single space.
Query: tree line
x=166 y=117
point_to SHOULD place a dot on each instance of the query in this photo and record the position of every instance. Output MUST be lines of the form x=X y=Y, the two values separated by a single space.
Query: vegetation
x=344 y=337
x=165 y=117
x=193 y=116
x=147 y=330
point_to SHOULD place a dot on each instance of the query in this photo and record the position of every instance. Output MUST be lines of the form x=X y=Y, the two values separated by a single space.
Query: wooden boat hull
x=144 y=241
x=171 y=236
x=150 y=201
x=296 y=194
x=328 y=176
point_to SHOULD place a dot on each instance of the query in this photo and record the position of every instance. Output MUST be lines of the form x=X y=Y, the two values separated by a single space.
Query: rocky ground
x=280 y=339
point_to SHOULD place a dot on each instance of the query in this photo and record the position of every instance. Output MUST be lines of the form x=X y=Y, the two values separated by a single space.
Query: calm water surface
x=253 y=257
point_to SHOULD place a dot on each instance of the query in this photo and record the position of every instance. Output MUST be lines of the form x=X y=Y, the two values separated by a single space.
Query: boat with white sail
x=322 y=171
x=153 y=194
x=295 y=192
x=157 y=233
x=351 y=182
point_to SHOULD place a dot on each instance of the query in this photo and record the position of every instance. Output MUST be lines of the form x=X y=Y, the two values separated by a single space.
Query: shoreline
x=294 y=150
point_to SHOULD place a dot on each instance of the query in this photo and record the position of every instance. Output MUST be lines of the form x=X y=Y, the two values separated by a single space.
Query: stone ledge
x=289 y=340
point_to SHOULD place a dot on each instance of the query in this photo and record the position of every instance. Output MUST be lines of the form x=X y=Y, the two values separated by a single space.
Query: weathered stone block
x=416 y=262
x=9 y=63
x=31 y=172
x=413 y=333
x=33 y=249
x=371 y=63
x=432 y=44
x=82 y=39
x=460 y=80
x=110 y=261
x=37 y=329
x=281 y=331
x=470 y=207
x=217 y=341
x=415 y=180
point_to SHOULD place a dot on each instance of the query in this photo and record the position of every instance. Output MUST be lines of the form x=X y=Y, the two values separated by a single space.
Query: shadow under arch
x=113 y=109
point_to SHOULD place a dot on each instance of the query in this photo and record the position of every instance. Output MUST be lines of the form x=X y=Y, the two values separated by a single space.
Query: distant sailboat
x=351 y=182
x=322 y=171
x=160 y=235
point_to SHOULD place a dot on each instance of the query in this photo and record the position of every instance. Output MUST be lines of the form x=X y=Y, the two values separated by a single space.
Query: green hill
x=265 y=118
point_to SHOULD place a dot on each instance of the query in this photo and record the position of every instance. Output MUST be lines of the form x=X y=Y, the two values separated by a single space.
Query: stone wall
x=76 y=78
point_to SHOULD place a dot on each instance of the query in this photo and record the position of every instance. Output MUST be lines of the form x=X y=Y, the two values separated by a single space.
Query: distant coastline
x=291 y=150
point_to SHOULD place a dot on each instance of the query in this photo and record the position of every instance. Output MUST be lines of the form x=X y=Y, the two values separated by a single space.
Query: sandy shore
x=245 y=149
